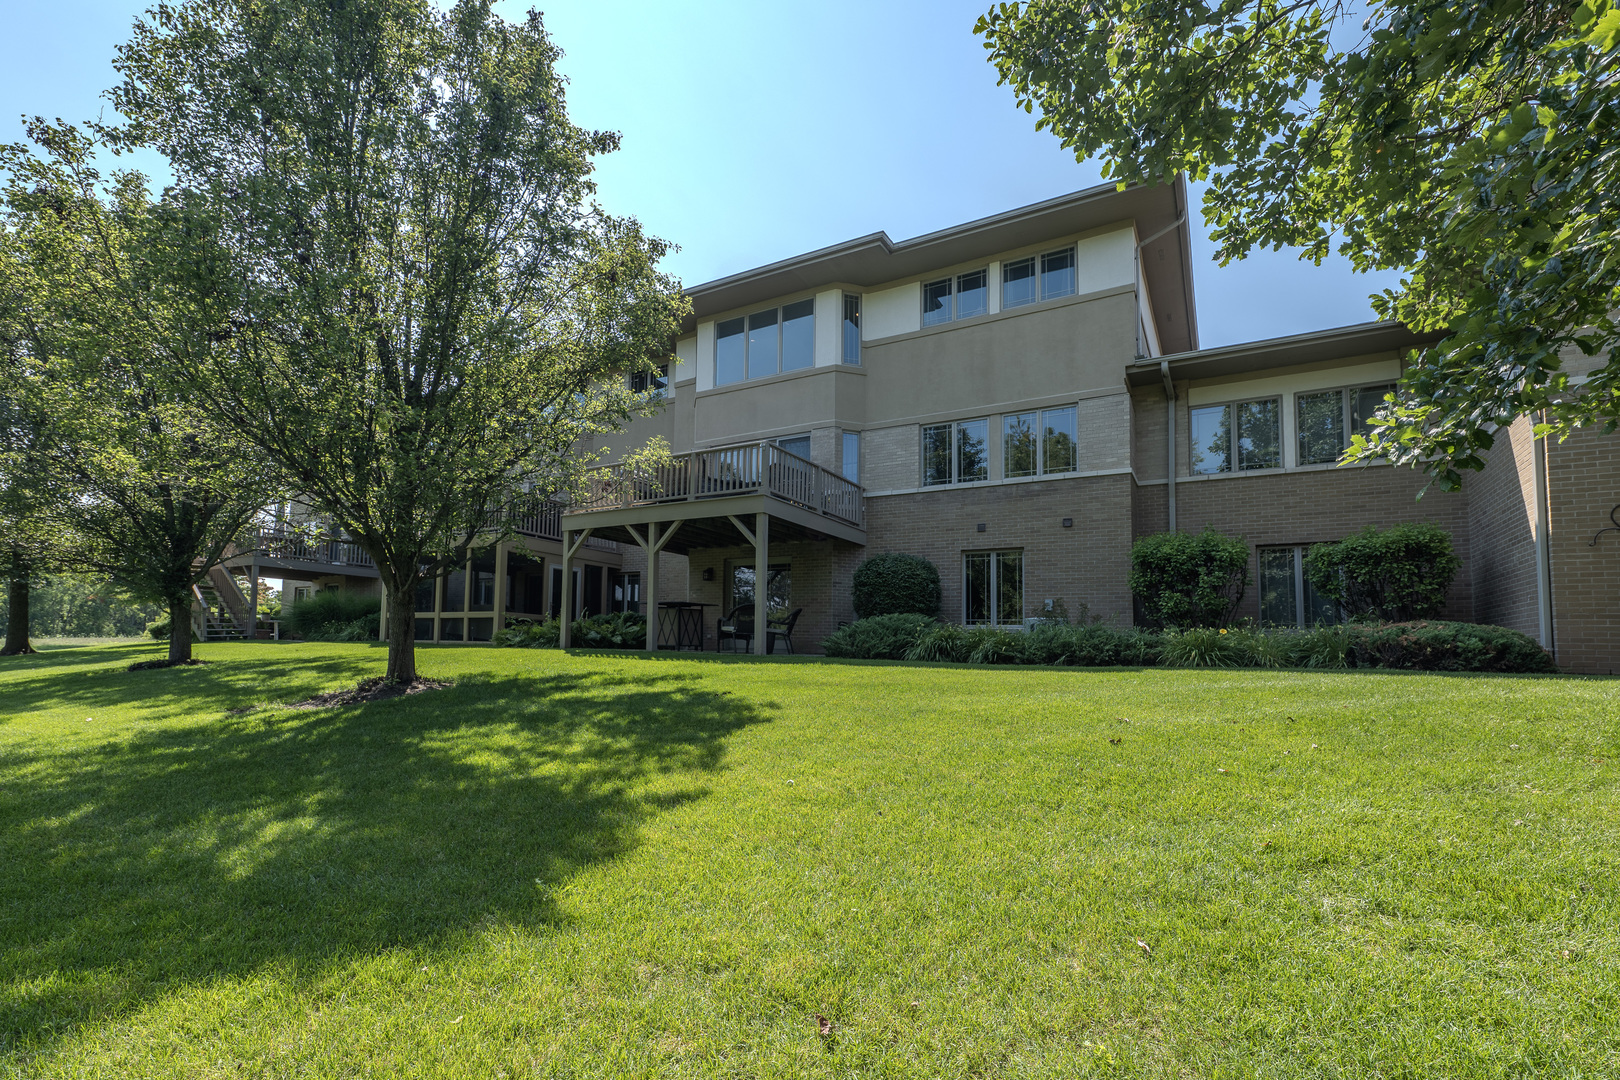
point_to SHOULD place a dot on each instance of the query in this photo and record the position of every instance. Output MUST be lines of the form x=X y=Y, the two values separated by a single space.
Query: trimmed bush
x=1393 y=575
x=1447 y=646
x=336 y=615
x=1189 y=579
x=614 y=630
x=882 y=637
x=945 y=642
x=895 y=583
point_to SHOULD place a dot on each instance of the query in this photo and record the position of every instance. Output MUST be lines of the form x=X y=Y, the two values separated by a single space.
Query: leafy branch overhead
x=1471 y=146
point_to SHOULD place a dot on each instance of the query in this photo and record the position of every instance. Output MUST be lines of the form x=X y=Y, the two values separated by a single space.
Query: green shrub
x=1323 y=647
x=336 y=615
x=895 y=583
x=529 y=634
x=946 y=641
x=1048 y=642
x=1393 y=575
x=1106 y=646
x=1205 y=646
x=158 y=629
x=1446 y=646
x=1189 y=579
x=993 y=645
x=615 y=630
x=882 y=637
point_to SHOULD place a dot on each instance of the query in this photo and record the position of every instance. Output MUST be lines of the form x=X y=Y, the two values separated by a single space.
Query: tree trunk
x=180 y=629
x=402 y=635
x=17 y=624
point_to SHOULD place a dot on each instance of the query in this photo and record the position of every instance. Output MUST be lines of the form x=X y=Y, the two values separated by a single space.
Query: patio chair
x=734 y=626
x=782 y=631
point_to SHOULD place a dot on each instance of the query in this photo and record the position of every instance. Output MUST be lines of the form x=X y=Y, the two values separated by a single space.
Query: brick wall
x=1084 y=564
x=1316 y=505
x=672 y=571
x=1501 y=525
x=892 y=458
x=1583 y=484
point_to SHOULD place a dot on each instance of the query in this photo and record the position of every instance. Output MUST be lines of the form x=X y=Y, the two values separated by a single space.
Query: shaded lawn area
x=596 y=865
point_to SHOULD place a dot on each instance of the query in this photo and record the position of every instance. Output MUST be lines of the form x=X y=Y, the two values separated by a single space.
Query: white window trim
x=1348 y=429
x=995 y=590
x=714 y=354
x=953 y=313
x=1041 y=471
x=1283 y=430
x=954 y=481
x=1039 y=260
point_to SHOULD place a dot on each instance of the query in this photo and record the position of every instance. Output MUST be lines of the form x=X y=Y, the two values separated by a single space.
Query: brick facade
x=1583 y=485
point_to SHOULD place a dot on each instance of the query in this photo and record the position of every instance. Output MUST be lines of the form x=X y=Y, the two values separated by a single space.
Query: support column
x=762 y=571
x=650 y=602
x=566 y=609
x=500 y=584
x=253 y=599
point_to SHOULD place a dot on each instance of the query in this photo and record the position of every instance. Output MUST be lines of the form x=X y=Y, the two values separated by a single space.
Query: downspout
x=1543 y=539
x=1170 y=439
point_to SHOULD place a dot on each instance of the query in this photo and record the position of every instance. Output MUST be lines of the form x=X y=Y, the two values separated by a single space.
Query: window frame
x=953 y=292
x=1037 y=262
x=1301 y=584
x=954 y=450
x=655 y=382
x=1038 y=435
x=1350 y=421
x=851 y=300
x=1233 y=437
x=994 y=557
x=747 y=319
x=850 y=438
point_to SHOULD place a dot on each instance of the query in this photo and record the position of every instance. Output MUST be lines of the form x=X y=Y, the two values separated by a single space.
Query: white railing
x=753 y=468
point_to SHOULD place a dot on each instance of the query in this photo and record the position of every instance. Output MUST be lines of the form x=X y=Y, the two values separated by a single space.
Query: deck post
x=762 y=572
x=651 y=600
x=565 y=611
x=501 y=555
x=253 y=596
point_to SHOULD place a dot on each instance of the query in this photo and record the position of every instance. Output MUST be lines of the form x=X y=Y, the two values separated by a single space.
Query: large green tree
x=151 y=484
x=1469 y=144
x=427 y=310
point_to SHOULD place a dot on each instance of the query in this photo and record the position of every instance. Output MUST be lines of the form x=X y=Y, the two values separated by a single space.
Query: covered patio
x=754 y=494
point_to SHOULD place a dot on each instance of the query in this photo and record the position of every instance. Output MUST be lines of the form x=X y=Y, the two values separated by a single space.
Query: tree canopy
x=387 y=217
x=1469 y=145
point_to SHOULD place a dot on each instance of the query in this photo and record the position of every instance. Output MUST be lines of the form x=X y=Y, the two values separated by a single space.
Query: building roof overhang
x=1318 y=346
x=1159 y=211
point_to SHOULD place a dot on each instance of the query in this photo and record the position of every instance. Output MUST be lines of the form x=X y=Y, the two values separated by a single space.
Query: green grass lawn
x=584 y=866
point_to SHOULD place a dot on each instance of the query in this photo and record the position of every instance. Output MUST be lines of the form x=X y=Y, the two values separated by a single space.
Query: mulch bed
x=377 y=689
x=153 y=665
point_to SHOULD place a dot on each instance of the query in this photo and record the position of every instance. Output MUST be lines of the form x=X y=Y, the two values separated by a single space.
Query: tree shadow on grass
x=183 y=854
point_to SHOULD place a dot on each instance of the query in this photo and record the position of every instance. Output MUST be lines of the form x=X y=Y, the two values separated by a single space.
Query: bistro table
x=680 y=624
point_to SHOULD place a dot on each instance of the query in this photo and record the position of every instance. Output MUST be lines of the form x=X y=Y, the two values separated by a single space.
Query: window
x=796 y=444
x=852 y=329
x=1287 y=598
x=765 y=343
x=1239 y=436
x=1039 y=443
x=852 y=456
x=993 y=588
x=1327 y=420
x=482 y=582
x=626 y=592
x=480 y=629
x=656 y=381
x=1020 y=284
x=956 y=453
x=424 y=596
x=969 y=291
x=778 y=588
x=455 y=589
x=423 y=630
x=450 y=629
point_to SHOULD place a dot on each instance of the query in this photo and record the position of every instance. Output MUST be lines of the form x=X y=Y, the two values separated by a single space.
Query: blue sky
x=755 y=131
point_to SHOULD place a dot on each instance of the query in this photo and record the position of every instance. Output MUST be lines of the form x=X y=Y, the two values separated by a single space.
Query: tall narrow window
x=1369 y=399
x=972 y=294
x=1018 y=283
x=799 y=335
x=852 y=456
x=1259 y=434
x=729 y=352
x=482 y=582
x=936 y=454
x=852 y=329
x=1057 y=274
x=972 y=450
x=936 y=302
x=1320 y=422
x=762 y=344
x=1018 y=446
x=993 y=588
x=1060 y=448
x=1211 y=439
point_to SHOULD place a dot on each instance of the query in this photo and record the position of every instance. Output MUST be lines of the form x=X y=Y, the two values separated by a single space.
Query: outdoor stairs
x=218 y=623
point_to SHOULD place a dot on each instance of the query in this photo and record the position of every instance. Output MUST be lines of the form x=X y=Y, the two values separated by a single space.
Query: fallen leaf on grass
x=1116 y=742
x=458 y=1019
x=1220 y=770
x=1145 y=947
x=823 y=1025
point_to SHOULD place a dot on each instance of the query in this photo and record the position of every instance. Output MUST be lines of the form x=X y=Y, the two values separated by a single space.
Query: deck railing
x=753 y=468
